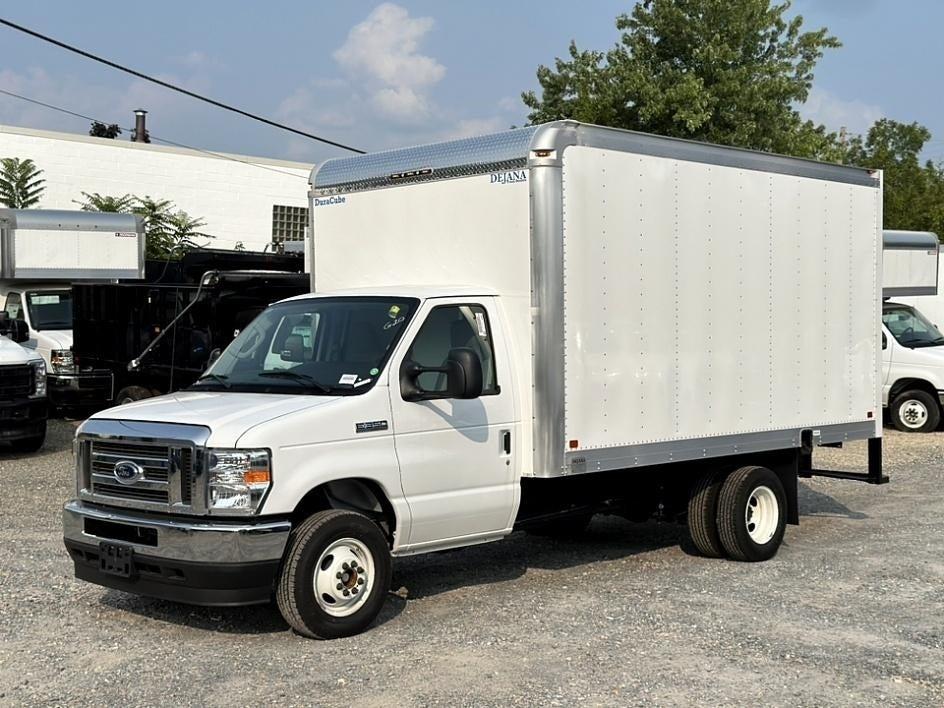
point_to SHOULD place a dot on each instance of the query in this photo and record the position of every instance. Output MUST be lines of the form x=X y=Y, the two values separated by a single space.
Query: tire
x=915 y=411
x=325 y=544
x=130 y=394
x=752 y=514
x=566 y=527
x=703 y=515
x=32 y=443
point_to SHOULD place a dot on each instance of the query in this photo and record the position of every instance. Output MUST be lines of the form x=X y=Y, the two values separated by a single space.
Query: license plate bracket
x=116 y=559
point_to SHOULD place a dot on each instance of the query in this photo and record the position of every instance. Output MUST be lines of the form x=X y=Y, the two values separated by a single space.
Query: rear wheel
x=752 y=514
x=703 y=514
x=335 y=576
x=129 y=394
x=915 y=411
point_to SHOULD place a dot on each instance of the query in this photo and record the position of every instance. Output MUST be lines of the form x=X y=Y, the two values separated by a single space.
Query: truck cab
x=913 y=368
x=46 y=310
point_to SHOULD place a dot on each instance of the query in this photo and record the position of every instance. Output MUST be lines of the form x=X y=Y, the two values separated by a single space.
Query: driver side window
x=451 y=327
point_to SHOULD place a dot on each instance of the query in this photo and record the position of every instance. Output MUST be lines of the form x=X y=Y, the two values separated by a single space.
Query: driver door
x=456 y=456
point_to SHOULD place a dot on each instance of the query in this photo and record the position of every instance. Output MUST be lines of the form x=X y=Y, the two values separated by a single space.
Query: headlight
x=237 y=480
x=39 y=378
x=62 y=361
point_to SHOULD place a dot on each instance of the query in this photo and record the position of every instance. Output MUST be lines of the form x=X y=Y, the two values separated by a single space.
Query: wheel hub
x=913 y=413
x=343 y=577
x=762 y=515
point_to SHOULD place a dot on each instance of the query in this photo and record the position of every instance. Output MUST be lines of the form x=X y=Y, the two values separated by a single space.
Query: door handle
x=506 y=442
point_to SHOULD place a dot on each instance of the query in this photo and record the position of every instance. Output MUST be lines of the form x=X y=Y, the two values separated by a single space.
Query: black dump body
x=114 y=323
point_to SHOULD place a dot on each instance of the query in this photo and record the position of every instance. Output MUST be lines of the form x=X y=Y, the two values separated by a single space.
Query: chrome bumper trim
x=201 y=541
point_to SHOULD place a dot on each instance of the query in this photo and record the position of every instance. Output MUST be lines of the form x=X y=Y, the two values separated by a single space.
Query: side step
x=873 y=476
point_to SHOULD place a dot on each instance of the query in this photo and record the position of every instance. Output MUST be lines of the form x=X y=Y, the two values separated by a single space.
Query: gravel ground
x=848 y=613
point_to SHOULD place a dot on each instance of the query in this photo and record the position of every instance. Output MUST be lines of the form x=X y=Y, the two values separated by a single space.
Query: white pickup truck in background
x=514 y=331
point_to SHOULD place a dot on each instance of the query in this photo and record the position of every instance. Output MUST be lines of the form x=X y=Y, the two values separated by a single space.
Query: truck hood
x=54 y=338
x=228 y=415
x=13 y=353
x=925 y=356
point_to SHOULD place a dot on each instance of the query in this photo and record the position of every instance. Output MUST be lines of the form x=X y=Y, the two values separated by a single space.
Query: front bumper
x=200 y=562
x=23 y=418
x=94 y=388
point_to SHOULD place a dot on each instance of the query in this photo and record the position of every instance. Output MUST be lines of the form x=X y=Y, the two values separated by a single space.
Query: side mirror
x=884 y=341
x=19 y=331
x=464 y=377
x=214 y=355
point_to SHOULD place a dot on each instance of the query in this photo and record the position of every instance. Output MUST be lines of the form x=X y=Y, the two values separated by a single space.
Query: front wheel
x=752 y=514
x=130 y=394
x=915 y=412
x=335 y=576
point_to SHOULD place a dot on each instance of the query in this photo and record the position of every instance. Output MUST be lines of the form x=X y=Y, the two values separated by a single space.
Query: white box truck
x=44 y=251
x=515 y=331
x=912 y=343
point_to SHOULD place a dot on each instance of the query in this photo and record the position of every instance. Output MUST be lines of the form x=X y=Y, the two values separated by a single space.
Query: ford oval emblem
x=128 y=472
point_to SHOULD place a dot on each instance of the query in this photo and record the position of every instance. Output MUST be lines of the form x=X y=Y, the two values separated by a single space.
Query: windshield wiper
x=222 y=379
x=300 y=378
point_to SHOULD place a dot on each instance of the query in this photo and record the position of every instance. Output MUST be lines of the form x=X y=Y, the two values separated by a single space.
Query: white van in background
x=912 y=344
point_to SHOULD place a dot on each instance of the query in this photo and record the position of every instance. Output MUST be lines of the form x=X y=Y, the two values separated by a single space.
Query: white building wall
x=234 y=194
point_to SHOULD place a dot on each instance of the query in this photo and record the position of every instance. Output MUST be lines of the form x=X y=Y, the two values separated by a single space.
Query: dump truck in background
x=513 y=331
x=144 y=338
x=42 y=253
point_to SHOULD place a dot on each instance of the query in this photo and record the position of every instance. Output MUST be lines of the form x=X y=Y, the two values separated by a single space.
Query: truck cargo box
x=47 y=244
x=909 y=263
x=667 y=300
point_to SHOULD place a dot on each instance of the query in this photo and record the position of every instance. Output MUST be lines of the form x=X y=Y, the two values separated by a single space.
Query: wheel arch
x=908 y=384
x=360 y=494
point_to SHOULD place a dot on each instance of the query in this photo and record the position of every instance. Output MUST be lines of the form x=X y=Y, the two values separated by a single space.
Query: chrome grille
x=168 y=476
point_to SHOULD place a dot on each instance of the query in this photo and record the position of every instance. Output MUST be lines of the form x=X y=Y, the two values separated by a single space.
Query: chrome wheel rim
x=913 y=414
x=344 y=577
x=762 y=515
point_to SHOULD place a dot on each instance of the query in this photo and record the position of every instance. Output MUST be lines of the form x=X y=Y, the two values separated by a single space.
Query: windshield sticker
x=362 y=382
x=348 y=379
x=394 y=323
x=480 y=321
x=393 y=312
x=374 y=371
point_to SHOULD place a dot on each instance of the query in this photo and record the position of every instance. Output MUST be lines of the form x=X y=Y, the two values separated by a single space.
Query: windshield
x=50 y=309
x=910 y=328
x=332 y=345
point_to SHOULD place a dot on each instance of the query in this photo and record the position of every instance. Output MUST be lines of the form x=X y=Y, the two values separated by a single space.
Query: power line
x=172 y=87
x=222 y=156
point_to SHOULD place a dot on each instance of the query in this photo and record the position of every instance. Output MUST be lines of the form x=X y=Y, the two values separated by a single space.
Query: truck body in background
x=213 y=293
x=912 y=343
x=42 y=253
x=514 y=331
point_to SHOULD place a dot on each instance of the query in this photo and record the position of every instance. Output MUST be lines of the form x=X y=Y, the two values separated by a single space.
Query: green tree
x=724 y=71
x=169 y=232
x=102 y=130
x=20 y=183
x=914 y=191
x=104 y=202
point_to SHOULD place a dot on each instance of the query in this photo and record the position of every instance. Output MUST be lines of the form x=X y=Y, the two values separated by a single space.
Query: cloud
x=834 y=112
x=383 y=52
x=469 y=127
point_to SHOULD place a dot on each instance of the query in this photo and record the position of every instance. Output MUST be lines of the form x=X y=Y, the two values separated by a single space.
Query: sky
x=380 y=75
